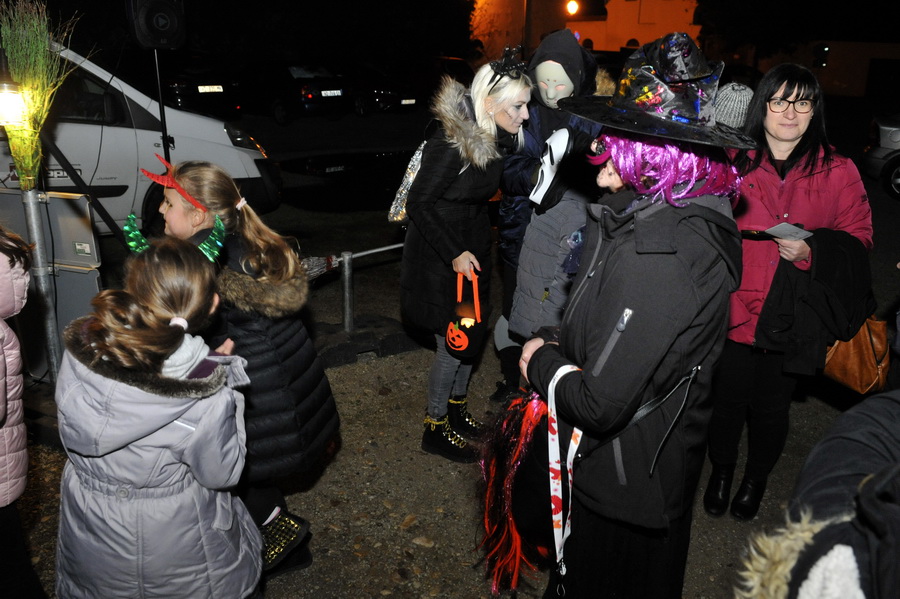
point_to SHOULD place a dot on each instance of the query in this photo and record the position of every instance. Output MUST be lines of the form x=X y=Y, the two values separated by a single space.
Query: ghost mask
x=553 y=83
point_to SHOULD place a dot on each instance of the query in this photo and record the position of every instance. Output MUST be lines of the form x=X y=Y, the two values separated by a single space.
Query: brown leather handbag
x=862 y=363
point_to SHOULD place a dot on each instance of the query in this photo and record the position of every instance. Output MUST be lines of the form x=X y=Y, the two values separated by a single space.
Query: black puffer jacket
x=448 y=212
x=291 y=414
x=648 y=308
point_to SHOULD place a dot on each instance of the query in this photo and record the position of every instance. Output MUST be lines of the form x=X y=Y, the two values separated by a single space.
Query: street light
x=586 y=10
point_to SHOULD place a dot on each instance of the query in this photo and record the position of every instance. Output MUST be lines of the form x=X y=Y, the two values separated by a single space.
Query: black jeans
x=750 y=387
x=615 y=560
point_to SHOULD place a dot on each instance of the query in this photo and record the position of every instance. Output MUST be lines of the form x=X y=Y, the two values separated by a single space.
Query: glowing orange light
x=572 y=7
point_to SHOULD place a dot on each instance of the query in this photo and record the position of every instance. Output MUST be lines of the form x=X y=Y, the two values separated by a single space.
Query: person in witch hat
x=630 y=365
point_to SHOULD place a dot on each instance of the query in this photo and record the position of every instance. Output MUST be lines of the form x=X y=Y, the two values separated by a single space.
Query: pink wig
x=669 y=169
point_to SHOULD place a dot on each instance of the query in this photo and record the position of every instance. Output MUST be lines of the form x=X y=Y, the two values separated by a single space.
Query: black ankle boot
x=460 y=420
x=505 y=392
x=440 y=439
x=748 y=497
x=718 y=489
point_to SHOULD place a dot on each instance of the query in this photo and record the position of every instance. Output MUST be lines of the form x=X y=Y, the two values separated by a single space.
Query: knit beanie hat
x=731 y=104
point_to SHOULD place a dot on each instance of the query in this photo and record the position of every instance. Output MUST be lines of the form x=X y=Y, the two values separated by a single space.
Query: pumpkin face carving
x=466 y=332
x=456 y=337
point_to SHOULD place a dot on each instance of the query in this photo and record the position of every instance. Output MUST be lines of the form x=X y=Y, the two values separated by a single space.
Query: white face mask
x=553 y=83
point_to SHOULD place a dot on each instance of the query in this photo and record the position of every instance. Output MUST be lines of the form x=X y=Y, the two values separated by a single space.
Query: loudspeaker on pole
x=157 y=24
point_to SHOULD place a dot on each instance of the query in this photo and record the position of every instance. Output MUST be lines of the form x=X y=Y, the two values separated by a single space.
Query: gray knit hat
x=731 y=104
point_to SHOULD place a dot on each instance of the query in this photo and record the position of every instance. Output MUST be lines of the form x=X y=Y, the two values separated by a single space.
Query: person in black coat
x=627 y=372
x=291 y=417
x=842 y=535
x=450 y=232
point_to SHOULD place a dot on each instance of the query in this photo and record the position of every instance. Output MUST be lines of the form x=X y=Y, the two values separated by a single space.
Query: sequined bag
x=397 y=213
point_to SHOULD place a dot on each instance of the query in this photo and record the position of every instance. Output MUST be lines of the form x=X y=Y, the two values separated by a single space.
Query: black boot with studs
x=461 y=420
x=439 y=438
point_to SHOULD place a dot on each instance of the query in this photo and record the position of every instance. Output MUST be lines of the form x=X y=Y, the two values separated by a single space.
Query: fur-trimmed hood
x=452 y=106
x=273 y=300
x=145 y=381
x=112 y=407
x=771 y=559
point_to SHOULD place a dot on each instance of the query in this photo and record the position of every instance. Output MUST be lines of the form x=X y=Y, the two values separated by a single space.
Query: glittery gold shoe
x=281 y=536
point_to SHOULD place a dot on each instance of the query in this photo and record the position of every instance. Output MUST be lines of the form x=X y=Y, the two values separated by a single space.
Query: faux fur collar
x=453 y=108
x=771 y=558
x=273 y=300
x=146 y=381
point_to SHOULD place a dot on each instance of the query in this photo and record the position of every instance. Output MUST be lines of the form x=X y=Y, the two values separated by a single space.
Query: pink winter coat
x=832 y=197
x=13 y=455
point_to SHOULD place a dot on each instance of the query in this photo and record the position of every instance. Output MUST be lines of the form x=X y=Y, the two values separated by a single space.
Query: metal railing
x=346 y=261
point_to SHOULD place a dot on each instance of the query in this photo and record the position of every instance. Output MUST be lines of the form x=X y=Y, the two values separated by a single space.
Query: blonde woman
x=450 y=233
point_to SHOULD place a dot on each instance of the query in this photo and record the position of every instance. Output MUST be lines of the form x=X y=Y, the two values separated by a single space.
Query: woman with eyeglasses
x=794 y=178
x=450 y=232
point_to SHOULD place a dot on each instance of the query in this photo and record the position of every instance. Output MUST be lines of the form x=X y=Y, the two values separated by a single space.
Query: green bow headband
x=211 y=246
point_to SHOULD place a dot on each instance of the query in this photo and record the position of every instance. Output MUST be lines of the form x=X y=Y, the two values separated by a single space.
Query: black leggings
x=17 y=576
x=261 y=500
x=750 y=387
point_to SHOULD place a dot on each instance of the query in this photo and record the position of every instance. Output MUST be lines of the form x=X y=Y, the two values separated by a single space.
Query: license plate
x=210 y=89
x=331 y=92
x=335 y=169
x=407 y=102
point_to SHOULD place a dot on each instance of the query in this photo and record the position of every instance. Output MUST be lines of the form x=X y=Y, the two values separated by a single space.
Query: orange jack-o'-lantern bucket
x=466 y=331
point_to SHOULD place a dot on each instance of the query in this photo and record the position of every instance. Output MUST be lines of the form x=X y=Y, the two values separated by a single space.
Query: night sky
x=232 y=33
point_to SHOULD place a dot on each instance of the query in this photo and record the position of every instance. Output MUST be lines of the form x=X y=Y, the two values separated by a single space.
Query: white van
x=108 y=131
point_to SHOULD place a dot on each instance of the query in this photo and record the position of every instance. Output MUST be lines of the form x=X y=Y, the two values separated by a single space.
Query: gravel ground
x=391 y=520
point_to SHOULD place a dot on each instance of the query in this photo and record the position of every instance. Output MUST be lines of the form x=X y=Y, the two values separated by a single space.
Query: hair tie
x=178 y=321
x=241 y=203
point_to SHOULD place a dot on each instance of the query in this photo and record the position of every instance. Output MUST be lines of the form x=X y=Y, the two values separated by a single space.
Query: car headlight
x=240 y=139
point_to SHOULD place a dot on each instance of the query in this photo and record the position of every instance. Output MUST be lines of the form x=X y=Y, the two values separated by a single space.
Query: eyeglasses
x=801 y=106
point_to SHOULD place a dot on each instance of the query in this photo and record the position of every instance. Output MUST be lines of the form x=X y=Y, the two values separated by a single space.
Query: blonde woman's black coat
x=448 y=211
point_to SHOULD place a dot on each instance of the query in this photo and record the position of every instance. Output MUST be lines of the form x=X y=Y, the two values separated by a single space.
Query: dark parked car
x=285 y=91
x=204 y=91
x=376 y=90
x=882 y=157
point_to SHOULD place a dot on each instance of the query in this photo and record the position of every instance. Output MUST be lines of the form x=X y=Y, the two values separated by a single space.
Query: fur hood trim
x=770 y=559
x=452 y=106
x=272 y=300
x=145 y=381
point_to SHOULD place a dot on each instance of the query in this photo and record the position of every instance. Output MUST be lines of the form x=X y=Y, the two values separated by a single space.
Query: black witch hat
x=667 y=89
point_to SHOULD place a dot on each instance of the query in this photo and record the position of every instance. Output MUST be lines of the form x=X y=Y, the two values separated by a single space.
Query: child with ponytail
x=154 y=431
x=291 y=417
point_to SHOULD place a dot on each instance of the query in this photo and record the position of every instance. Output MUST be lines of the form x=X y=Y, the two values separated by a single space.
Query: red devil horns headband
x=168 y=180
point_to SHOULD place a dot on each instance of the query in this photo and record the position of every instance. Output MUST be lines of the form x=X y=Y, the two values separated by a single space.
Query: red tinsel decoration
x=507 y=553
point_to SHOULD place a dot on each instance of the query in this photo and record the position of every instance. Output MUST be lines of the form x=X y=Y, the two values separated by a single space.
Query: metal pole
x=347 y=284
x=347 y=280
x=41 y=272
x=162 y=109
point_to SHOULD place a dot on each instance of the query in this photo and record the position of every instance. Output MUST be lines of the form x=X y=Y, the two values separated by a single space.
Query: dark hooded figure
x=560 y=68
